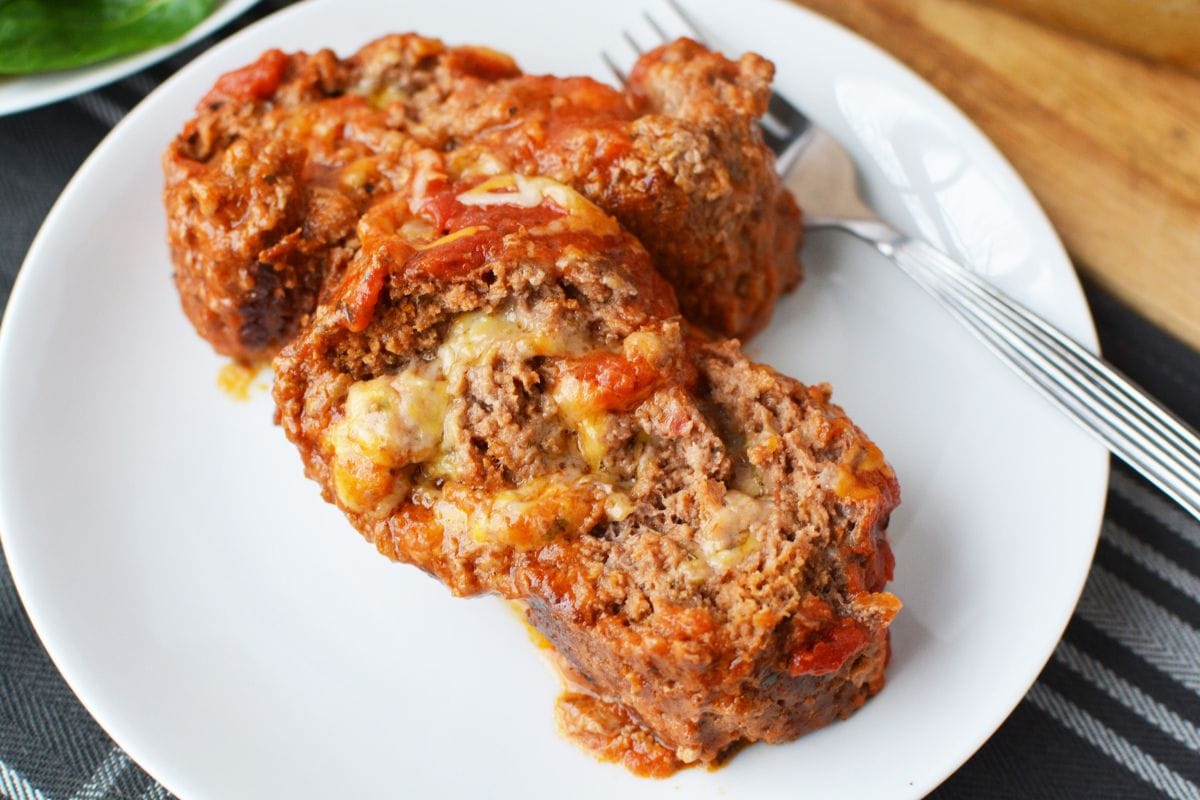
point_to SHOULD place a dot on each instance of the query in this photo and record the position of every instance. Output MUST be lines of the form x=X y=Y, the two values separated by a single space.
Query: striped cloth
x=1116 y=713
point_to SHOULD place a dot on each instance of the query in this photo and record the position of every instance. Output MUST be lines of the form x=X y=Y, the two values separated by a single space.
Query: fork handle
x=1089 y=390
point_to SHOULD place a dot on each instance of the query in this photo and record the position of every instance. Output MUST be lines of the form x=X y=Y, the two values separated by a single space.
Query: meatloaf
x=678 y=158
x=501 y=391
x=266 y=185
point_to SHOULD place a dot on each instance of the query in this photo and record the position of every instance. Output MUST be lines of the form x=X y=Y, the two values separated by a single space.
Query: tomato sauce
x=256 y=81
x=607 y=730
x=837 y=643
x=458 y=257
x=448 y=213
x=615 y=383
x=824 y=641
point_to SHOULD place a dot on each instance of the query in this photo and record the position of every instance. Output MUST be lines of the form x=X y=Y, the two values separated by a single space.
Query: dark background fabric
x=1115 y=713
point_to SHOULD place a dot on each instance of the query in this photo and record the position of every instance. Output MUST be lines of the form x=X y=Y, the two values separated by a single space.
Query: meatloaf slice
x=265 y=186
x=678 y=158
x=502 y=393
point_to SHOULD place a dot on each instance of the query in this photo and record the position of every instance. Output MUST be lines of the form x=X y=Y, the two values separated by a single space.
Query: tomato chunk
x=834 y=647
x=252 y=82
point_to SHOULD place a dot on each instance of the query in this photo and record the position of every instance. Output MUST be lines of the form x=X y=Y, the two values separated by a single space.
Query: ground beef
x=266 y=185
x=700 y=538
x=678 y=158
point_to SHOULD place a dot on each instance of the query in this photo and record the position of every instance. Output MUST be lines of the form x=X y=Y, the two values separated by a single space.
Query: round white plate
x=235 y=635
x=21 y=92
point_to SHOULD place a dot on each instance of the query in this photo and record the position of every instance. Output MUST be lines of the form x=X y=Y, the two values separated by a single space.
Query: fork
x=1089 y=390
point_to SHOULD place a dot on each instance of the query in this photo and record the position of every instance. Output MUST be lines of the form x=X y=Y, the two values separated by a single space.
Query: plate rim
x=1056 y=248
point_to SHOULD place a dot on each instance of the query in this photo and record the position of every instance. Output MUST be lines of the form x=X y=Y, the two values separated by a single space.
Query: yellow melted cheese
x=387 y=424
x=236 y=379
x=393 y=422
x=472 y=161
x=747 y=477
x=461 y=233
x=476 y=336
x=531 y=192
x=583 y=414
x=532 y=514
x=725 y=537
x=580 y=413
x=850 y=483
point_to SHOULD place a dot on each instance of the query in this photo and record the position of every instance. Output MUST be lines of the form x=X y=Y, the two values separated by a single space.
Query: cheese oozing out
x=580 y=413
x=388 y=423
x=392 y=424
x=726 y=536
x=395 y=440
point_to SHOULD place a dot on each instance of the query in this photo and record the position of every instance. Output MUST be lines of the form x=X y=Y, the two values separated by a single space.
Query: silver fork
x=1088 y=389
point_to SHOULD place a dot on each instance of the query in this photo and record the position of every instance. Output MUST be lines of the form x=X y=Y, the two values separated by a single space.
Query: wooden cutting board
x=1110 y=144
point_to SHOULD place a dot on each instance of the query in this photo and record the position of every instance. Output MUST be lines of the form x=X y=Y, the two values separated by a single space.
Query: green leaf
x=42 y=35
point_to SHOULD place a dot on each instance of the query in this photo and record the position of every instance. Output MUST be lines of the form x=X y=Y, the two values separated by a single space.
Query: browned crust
x=264 y=187
x=790 y=638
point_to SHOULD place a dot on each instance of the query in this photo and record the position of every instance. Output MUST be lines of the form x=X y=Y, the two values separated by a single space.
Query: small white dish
x=22 y=92
x=234 y=634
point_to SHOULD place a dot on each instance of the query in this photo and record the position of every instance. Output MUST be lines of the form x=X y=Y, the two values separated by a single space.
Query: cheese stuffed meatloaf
x=266 y=185
x=501 y=391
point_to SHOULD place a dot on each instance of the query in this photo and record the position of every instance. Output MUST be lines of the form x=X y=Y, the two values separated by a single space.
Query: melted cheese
x=394 y=418
x=475 y=336
x=851 y=480
x=520 y=191
x=359 y=173
x=428 y=176
x=526 y=192
x=472 y=161
x=393 y=422
x=647 y=346
x=527 y=516
x=236 y=379
x=618 y=506
x=747 y=477
x=387 y=424
x=385 y=95
x=418 y=232
x=725 y=537
x=454 y=521
x=580 y=409
x=461 y=233
x=580 y=412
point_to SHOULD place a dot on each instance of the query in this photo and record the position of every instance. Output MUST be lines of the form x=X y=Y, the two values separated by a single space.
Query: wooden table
x=1110 y=144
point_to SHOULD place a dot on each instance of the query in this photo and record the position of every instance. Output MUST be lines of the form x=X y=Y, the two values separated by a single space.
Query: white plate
x=21 y=92
x=237 y=637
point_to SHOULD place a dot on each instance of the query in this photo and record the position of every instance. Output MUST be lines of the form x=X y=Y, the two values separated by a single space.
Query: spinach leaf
x=41 y=35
